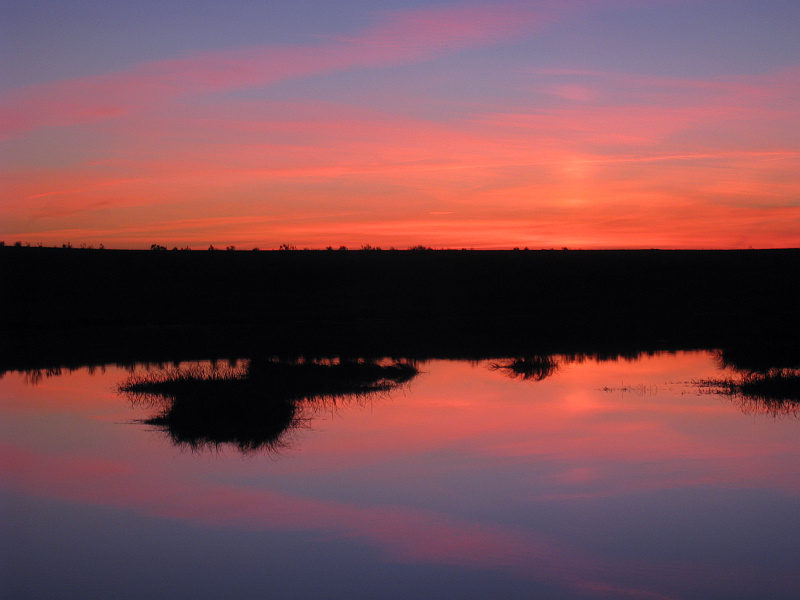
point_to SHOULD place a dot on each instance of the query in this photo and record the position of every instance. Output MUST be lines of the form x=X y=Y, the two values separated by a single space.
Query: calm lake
x=551 y=477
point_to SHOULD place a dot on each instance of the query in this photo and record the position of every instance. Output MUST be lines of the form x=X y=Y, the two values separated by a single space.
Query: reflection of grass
x=311 y=380
x=529 y=368
x=246 y=420
x=775 y=385
x=768 y=378
x=253 y=408
x=152 y=386
x=776 y=392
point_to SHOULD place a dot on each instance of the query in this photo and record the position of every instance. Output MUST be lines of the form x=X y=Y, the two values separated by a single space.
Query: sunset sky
x=540 y=123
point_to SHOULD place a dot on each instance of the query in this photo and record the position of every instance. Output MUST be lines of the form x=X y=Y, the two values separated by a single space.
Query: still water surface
x=585 y=479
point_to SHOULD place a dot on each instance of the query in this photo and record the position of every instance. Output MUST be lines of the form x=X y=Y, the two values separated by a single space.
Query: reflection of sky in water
x=467 y=483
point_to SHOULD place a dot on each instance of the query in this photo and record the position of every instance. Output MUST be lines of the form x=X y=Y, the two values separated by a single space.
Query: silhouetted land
x=76 y=306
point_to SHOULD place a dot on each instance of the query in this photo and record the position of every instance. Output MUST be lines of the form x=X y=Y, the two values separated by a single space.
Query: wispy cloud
x=399 y=37
x=570 y=156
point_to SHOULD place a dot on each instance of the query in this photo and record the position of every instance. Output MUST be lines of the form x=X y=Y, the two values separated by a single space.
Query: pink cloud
x=415 y=32
x=623 y=109
x=403 y=36
x=667 y=162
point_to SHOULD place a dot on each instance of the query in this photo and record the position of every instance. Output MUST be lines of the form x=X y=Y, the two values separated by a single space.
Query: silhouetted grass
x=768 y=377
x=529 y=368
x=151 y=386
x=776 y=392
x=777 y=385
x=254 y=408
x=312 y=380
x=248 y=421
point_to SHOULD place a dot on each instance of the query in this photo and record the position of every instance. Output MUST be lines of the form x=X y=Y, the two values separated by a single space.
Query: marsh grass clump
x=775 y=392
x=152 y=386
x=776 y=385
x=256 y=407
x=205 y=407
x=529 y=368
x=249 y=423
x=310 y=380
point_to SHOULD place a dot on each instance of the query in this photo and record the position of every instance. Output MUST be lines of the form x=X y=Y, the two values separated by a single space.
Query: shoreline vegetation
x=776 y=393
x=255 y=407
x=68 y=306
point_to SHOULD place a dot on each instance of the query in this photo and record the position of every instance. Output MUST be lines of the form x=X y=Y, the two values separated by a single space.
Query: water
x=576 y=479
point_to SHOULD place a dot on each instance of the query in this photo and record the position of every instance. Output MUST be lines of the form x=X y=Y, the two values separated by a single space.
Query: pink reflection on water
x=429 y=474
x=409 y=535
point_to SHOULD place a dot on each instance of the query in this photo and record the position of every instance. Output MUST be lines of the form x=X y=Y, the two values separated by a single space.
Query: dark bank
x=82 y=305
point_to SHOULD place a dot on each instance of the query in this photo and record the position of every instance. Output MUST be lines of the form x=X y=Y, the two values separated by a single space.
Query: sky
x=540 y=123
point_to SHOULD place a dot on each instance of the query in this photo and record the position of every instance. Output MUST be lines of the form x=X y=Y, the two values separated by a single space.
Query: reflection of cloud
x=527 y=446
x=405 y=534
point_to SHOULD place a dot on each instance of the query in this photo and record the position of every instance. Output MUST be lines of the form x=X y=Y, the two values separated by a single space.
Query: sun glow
x=423 y=126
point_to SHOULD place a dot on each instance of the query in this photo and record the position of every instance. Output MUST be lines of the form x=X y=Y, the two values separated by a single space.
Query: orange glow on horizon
x=206 y=149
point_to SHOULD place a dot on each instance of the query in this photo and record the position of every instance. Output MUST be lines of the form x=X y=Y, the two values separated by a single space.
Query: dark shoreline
x=63 y=307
